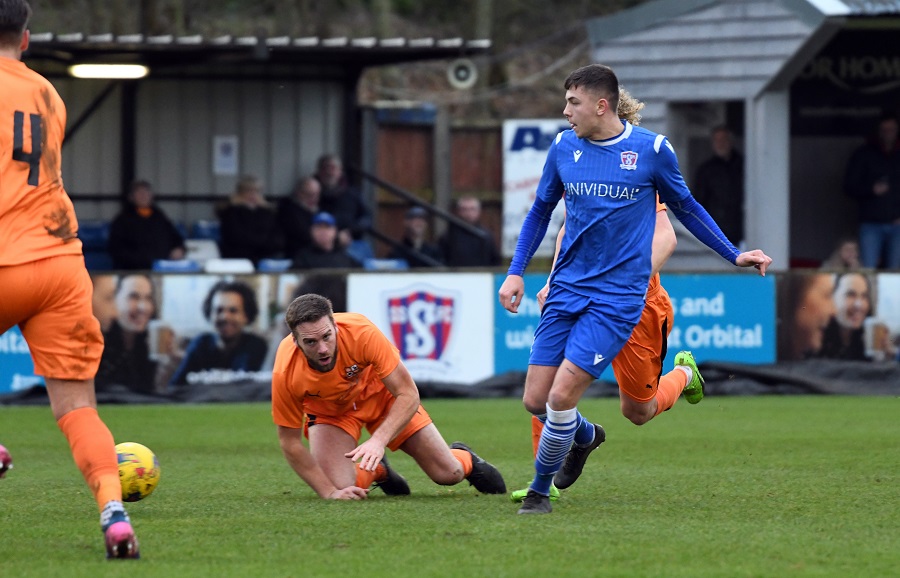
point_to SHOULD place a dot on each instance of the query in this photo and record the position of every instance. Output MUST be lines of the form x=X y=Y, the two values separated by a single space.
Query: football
x=138 y=471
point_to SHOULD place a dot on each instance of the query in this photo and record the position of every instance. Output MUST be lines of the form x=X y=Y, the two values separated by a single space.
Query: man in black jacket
x=142 y=233
x=719 y=184
x=873 y=179
x=325 y=251
x=463 y=249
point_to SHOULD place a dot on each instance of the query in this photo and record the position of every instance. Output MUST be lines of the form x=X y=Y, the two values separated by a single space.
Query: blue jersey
x=610 y=189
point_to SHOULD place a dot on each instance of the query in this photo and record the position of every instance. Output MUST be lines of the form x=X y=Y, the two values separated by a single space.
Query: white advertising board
x=525 y=144
x=442 y=323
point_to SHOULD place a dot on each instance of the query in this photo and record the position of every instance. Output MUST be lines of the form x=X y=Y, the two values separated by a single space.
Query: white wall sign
x=525 y=144
x=441 y=323
x=225 y=155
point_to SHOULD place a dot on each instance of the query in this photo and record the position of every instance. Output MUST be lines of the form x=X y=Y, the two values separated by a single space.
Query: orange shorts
x=50 y=301
x=638 y=366
x=371 y=413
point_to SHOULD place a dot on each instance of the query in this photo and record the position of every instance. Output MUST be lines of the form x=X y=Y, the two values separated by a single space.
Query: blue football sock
x=585 y=432
x=556 y=439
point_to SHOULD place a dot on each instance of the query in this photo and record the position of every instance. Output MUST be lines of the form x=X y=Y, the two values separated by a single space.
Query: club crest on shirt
x=629 y=160
x=421 y=321
x=351 y=372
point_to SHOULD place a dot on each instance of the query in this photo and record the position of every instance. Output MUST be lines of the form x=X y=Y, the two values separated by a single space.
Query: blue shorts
x=587 y=332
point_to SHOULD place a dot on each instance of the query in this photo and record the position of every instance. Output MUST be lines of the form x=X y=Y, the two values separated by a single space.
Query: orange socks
x=537 y=426
x=365 y=479
x=93 y=450
x=465 y=458
x=670 y=387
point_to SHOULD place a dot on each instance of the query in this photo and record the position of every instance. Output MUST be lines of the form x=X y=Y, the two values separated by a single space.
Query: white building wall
x=282 y=128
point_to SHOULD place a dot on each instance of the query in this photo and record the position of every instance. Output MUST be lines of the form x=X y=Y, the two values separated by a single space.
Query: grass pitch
x=761 y=486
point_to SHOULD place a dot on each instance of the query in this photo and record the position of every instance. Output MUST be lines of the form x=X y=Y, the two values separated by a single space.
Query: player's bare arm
x=303 y=462
x=406 y=401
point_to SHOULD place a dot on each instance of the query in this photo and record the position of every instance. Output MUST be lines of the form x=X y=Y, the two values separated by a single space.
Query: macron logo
x=598 y=357
x=577 y=155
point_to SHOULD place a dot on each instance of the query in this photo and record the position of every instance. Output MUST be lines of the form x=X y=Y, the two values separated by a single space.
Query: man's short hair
x=307 y=309
x=14 y=17
x=138 y=184
x=251 y=308
x=596 y=78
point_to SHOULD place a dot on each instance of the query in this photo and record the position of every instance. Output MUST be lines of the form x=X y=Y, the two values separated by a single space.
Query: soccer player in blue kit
x=611 y=173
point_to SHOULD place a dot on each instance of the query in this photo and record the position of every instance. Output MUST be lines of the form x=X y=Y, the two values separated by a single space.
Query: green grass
x=759 y=486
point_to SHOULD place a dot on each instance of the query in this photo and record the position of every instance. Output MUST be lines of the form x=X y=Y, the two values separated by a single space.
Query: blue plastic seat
x=94 y=235
x=385 y=265
x=206 y=229
x=98 y=261
x=273 y=265
x=177 y=266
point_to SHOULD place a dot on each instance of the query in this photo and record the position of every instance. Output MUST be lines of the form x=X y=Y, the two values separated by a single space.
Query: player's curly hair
x=248 y=296
x=629 y=107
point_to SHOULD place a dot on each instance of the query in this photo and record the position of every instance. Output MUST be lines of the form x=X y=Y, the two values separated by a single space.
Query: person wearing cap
x=324 y=252
x=414 y=243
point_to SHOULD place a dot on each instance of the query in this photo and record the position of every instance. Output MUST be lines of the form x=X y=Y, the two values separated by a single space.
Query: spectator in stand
x=126 y=356
x=345 y=202
x=296 y=212
x=719 y=184
x=845 y=256
x=873 y=179
x=249 y=226
x=325 y=251
x=415 y=233
x=230 y=306
x=142 y=233
x=461 y=248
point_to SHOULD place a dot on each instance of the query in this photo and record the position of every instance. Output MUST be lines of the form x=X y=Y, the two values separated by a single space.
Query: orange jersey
x=37 y=219
x=364 y=357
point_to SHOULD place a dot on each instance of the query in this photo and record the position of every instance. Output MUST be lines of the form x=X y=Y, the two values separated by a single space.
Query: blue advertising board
x=16 y=367
x=718 y=317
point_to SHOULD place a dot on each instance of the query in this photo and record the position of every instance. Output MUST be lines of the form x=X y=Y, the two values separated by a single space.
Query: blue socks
x=560 y=431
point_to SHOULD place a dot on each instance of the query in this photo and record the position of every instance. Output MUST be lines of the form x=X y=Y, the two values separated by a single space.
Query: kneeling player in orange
x=337 y=373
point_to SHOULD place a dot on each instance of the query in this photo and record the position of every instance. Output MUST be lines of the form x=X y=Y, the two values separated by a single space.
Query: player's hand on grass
x=754 y=258
x=511 y=293
x=348 y=493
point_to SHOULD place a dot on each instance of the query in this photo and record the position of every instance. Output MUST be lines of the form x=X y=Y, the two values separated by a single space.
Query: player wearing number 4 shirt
x=46 y=288
x=610 y=173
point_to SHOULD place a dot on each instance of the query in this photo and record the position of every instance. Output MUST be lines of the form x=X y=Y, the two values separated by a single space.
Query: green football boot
x=519 y=495
x=693 y=391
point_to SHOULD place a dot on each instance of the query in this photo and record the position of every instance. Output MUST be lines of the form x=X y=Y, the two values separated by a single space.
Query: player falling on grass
x=337 y=373
x=610 y=173
x=46 y=287
x=644 y=392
